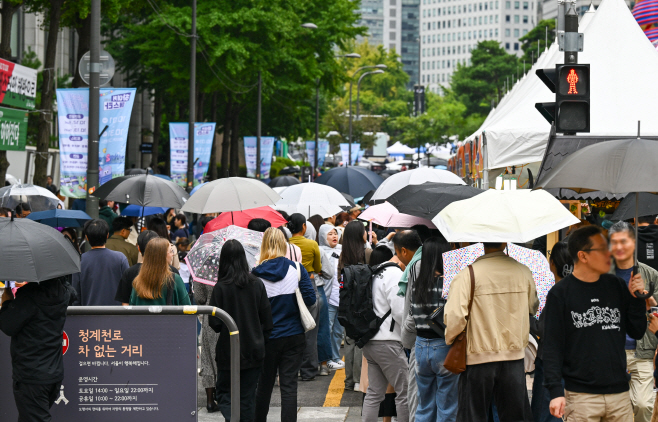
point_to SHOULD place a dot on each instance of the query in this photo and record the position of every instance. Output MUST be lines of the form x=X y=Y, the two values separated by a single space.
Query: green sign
x=13 y=129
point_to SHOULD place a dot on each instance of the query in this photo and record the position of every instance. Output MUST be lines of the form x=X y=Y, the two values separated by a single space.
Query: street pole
x=571 y=36
x=192 y=107
x=317 y=127
x=258 y=121
x=94 y=105
x=349 y=141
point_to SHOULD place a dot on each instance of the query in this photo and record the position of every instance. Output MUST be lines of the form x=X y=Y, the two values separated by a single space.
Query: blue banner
x=204 y=133
x=116 y=104
x=345 y=151
x=324 y=149
x=266 y=151
x=310 y=152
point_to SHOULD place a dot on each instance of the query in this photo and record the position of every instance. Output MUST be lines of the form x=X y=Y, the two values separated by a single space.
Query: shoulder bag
x=455 y=361
x=307 y=319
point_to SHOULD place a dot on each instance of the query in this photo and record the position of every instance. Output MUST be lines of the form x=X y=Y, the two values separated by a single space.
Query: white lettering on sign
x=9 y=133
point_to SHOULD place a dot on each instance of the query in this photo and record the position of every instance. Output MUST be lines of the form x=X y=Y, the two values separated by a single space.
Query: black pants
x=34 y=401
x=248 y=382
x=285 y=355
x=501 y=382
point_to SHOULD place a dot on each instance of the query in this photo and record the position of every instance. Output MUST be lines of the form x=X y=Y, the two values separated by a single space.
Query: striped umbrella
x=645 y=12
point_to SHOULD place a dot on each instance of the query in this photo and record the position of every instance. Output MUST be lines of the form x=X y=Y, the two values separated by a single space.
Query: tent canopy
x=400 y=149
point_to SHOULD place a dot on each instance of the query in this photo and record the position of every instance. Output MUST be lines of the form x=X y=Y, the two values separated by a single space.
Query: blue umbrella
x=60 y=218
x=137 y=211
x=163 y=176
x=196 y=188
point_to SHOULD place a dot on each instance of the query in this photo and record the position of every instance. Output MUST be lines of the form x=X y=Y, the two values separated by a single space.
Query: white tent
x=400 y=149
x=623 y=88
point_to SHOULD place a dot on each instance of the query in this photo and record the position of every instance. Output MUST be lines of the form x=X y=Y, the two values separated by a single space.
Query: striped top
x=421 y=311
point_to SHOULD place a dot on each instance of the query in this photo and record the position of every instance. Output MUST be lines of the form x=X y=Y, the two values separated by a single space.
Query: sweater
x=311 y=259
x=180 y=296
x=97 y=282
x=280 y=278
x=385 y=298
x=250 y=309
x=585 y=332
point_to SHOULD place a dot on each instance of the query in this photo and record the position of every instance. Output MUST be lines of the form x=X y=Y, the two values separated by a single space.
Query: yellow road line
x=336 y=389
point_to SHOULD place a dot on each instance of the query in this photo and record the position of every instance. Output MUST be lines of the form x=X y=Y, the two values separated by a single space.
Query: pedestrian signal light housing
x=571 y=109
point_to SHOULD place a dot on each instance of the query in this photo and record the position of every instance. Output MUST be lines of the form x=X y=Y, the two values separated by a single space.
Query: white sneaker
x=357 y=387
x=336 y=365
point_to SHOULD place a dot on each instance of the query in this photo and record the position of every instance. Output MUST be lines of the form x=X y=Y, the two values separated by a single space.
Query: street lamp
x=358 y=88
x=349 y=141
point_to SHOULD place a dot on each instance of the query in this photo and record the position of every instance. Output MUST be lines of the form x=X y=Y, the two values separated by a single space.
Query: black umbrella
x=647 y=205
x=144 y=190
x=368 y=197
x=626 y=165
x=281 y=181
x=428 y=199
x=34 y=252
x=357 y=181
x=350 y=199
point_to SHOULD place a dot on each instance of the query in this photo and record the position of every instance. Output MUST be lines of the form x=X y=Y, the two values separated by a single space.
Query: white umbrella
x=279 y=189
x=503 y=216
x=230 y=194
x=310 y=199
x=38 y=198
x=414 y=177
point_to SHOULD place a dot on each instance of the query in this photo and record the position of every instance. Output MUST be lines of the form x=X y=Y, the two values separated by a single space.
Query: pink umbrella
x=387 y=215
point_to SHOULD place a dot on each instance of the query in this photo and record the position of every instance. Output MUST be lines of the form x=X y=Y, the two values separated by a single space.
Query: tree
x=534 y=42
x=480 y=84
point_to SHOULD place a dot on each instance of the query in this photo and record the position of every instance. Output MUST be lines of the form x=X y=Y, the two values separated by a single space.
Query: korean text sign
x=266 y=151
x=204 y=134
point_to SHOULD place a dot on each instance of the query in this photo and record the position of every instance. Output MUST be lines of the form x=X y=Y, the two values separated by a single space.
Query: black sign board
x=128 y=368
x=146 y=148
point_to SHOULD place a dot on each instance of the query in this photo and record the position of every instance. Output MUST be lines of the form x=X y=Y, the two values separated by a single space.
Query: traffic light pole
x=94 y=106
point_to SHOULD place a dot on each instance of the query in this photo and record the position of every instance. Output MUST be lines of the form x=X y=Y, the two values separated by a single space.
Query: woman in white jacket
x=328 y=240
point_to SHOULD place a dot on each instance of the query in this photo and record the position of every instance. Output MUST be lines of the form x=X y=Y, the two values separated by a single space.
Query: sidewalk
x=306 y=414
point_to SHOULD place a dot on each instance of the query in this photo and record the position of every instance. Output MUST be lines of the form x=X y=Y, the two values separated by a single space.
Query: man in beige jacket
x=497 y=335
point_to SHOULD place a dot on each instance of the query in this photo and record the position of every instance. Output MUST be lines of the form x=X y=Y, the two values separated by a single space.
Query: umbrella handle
x=652 y=287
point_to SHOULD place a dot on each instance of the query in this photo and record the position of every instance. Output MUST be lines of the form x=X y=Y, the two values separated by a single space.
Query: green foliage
x=281 y=163
x=537 y=35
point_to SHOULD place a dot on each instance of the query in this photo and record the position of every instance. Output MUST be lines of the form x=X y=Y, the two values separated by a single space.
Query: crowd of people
x=595 y=338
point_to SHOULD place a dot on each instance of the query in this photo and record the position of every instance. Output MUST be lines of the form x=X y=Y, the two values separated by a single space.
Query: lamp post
x=358 y=88
x=377 y=66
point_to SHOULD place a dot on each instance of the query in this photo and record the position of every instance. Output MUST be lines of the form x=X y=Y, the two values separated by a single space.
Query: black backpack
x=355 y=310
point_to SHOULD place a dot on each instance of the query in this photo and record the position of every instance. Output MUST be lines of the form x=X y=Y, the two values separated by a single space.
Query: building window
x=392 y=24
x=485 y=20
x=496 y=32
x=517 y=5
x=516 y=46
x=506 y=46
x=392 y=36
x=393 y=2
x=525 y=18
x=392 y=13
x=507 y=18
x=516 y=18
x=496 y=18
x=525 y=31
x=480 y=20
x=424 y=13
x=516 y=33
x=391 y=47
x=469 y=8
x=525 y=5
x=508 y=32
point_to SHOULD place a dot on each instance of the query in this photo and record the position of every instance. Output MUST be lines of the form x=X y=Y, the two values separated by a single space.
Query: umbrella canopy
x=144 y=190
x=231 y=194
x=310 y=199
x=387 y=215
x=349 y=198
x=164 y=176
x=242 y=218
x=137 y=211
x=413 y=177
x=196 y=188
x=428 y=199
x=60 y=218
x=368 y=196
x=503 y=216
x=647 y=205
x=203 y=258
x=34 y=252
x=38 y=198
x=281 y=181
x=356 y=181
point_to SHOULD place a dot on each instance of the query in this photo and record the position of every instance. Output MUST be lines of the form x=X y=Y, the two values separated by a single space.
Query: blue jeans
x=438 y=391
x=335 y=332
x=324 y=345
x=541 y=398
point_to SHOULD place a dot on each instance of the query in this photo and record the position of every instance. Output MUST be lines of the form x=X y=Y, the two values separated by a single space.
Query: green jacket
x=646 y=347
x=180 y=296
x=108 y=215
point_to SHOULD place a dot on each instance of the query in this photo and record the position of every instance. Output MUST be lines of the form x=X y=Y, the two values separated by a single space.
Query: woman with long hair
x=284 y=350
x=432 y=378
x=72 y=236
x=244 y=298
x=317 y=221
x=156 y=284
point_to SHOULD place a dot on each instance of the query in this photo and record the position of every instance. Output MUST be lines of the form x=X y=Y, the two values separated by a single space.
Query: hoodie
x=647 y=245
x=35 y=322
x=281 y=279
x=330 y=256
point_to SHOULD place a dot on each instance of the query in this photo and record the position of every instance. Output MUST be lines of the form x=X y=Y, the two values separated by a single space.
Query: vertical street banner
x=204 y=134
x=13 y=129
x=18 y=85
x=116 y=105
x=310 y=153
x=266 y=151
x=323 y=149
x=345 y=151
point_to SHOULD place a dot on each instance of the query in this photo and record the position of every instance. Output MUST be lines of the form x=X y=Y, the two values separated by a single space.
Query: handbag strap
x=470 y=302
x=299 y=272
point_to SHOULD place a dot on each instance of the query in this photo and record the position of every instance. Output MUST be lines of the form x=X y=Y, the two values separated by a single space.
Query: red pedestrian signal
x=570 y=111
x=572 y=79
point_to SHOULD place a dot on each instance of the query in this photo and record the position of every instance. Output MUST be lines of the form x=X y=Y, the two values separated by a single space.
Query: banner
x=266 y=151
x=13 y=129
x=310 y=152
x=204 y=133
x=345 y=151
x=116 y=104
x=323 y=150
x=18 y=85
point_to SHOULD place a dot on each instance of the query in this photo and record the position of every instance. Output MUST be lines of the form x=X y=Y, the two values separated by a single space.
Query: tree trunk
x=235 y=158
x=157 y=123
x=83 y=29
x=226 y=137
x=47 y=95
x=8 y=11
x=212 y=171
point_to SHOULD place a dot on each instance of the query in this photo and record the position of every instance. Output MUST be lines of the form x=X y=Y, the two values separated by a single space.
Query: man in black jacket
x=34 y=320
x=587 y=317
x=647 y=241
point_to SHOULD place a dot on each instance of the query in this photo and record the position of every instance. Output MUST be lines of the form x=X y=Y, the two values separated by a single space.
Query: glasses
x=595 y=249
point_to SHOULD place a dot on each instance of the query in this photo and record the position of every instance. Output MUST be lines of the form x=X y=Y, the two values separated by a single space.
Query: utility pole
x=192 y=107
x=258 y=121
x=94 y=105
x=317 y=127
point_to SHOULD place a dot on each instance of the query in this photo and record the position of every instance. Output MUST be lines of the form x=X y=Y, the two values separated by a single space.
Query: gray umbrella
x=648 y=205
x=626 y=165
x=144 y=190
x=34 y=252
x=231 y=194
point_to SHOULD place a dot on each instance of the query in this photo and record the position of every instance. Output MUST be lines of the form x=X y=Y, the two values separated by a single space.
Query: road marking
x=336 y=389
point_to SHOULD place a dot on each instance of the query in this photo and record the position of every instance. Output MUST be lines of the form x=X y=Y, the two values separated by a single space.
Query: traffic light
x=570 y=83
x=419 y=99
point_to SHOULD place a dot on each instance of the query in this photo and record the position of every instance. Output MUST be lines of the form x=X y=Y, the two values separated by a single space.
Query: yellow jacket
x=499 y=324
